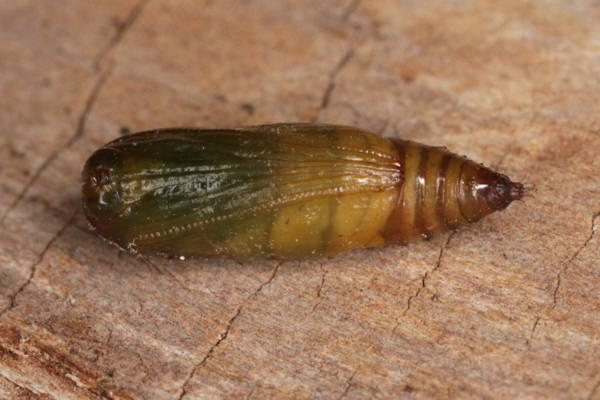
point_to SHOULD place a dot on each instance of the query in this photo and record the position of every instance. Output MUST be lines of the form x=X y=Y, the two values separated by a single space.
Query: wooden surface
x=506 y=308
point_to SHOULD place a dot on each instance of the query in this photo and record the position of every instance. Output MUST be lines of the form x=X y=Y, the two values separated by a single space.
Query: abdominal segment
x=441 y=191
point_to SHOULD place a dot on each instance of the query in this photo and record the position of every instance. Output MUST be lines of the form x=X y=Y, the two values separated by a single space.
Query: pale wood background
x=505 y=308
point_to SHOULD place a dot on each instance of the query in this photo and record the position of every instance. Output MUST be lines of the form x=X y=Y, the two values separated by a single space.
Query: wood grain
x=505 y=308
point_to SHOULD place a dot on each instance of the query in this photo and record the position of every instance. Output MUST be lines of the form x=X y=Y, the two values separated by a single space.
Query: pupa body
x=284 y=191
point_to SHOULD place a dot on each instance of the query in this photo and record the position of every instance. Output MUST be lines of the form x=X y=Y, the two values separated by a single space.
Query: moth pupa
x=284 y=191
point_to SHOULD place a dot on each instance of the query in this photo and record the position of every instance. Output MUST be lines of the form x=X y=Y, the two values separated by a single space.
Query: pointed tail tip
x=519 y=190
x=516 y=191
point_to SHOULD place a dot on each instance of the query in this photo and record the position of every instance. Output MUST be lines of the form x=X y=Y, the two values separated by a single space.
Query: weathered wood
x=505 y=308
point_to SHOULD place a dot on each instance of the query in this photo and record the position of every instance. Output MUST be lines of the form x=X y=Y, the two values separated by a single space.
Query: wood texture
x=506 y=308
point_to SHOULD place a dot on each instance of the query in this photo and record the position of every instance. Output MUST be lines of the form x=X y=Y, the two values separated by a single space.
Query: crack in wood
x=563 y=270
x=323 y=275
x=426 y=275
x=144 y=366
x=533 y=328
x=225 y=332
x=332 y=77
x=33 y=268
x=320 y=288
x=78 y=134
x=116 y=39
x=348 y=385
x=122 y=28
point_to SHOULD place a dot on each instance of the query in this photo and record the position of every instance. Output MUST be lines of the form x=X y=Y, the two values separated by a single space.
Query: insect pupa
x=283 y=191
